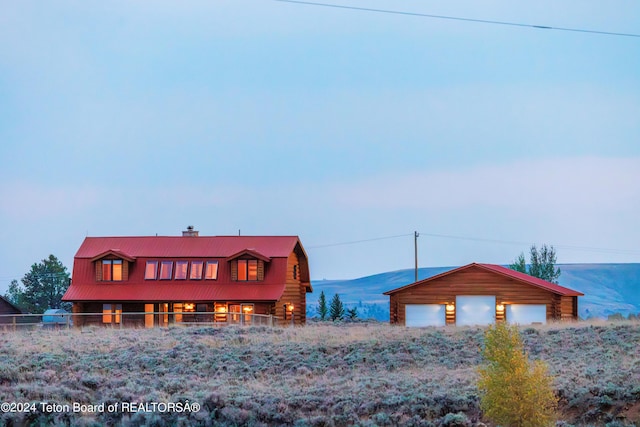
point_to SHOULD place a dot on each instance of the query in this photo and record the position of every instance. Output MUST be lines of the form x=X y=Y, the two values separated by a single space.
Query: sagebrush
x=324 y=374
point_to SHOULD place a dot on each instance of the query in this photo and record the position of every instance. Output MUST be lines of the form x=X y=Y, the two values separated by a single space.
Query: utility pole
x=415 y=247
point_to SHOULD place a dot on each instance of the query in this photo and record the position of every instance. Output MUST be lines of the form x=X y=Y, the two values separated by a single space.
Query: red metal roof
x=277 y=249
x=251 y=252
x=187 y=247
x=159 y=291
x=498 y=269
x=115 y=253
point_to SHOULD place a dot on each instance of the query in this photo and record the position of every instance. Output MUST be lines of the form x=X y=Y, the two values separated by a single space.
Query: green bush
x=514 y=392
x=455 y=420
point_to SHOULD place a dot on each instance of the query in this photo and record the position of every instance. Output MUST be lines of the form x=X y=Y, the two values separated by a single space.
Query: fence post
x=121 y=319
x=68 y=317
x=14 y=322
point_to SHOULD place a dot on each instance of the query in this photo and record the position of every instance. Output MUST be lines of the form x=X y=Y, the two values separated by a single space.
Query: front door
x=234 y=313
x=247 y=313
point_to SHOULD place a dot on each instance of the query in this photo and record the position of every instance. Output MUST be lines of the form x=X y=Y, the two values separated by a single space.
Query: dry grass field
x=365 y=374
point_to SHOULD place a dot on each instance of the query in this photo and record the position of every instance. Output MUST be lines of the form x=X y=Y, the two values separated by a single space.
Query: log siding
x=477 y=281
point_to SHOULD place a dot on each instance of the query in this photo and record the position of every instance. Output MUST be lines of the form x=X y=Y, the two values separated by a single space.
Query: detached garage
x=481 y=294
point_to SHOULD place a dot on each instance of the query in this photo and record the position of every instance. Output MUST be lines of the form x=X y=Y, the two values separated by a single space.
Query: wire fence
x=148 y=319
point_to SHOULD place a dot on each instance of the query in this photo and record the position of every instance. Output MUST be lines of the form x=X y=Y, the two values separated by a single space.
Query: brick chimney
x=190 y=232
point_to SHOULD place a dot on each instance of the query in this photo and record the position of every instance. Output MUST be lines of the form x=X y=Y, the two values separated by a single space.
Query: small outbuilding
x=6 y=309
x=481 y=294
x=55 y=317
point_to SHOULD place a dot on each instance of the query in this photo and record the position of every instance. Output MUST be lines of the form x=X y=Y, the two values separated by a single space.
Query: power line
x=457 y=18
x=359 y=241
x=481 y=239
x=512 y=242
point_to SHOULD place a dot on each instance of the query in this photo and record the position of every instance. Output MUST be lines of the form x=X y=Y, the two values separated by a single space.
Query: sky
x=351 y=129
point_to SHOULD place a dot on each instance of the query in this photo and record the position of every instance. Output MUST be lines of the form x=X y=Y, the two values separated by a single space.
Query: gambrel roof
x=137 y=250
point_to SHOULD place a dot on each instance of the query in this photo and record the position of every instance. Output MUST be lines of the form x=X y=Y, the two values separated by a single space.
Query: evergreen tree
x=542 y=264
x=322 y=306
x=336 y=310
x=520 y=264
x=41 y=288
x=352 y=313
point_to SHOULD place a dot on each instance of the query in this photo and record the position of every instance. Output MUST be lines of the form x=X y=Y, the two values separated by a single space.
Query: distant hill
x=608 y=289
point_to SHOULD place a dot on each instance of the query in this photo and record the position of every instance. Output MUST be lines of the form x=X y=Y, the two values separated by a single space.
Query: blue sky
x=132 y=118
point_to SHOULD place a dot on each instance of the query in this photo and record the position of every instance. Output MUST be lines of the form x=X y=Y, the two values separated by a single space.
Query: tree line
x=542 y=264
x=335 y=310
x=41 y=288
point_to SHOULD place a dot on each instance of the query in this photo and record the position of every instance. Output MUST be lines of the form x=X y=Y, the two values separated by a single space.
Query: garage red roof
x=498 y=269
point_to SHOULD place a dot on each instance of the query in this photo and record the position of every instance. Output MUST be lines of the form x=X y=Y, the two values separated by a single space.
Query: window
x=166 y=268
x=181 y=270
x=148 y=317
x=178 y=309
x=247 y=269
x=295 y=271
x=106 y=313
x=111 y=313
x=151 y=270
x=196 y=270
x=211 y=273
x=112 y=270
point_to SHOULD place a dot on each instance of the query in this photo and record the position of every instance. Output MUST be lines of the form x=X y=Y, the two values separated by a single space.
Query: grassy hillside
x=319 y=375
x=608 y=289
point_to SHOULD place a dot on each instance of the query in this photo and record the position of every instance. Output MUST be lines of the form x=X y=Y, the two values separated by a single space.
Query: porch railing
x=144 y=319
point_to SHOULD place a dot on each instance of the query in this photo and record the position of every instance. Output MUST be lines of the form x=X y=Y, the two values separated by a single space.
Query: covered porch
x=164 y=314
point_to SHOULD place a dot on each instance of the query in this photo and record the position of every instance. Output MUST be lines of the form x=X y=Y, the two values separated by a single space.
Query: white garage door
x=475 y=310
x=424 y=315
x=525 y=314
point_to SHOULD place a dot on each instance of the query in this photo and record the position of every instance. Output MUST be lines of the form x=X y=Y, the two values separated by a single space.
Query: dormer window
x=248 y=265
x=211 y=272
x=166 y=269
x=112 y=266
x=247 y=269
x=112 y=270
x=151 y=270
x=181 y=270
x=196 y=270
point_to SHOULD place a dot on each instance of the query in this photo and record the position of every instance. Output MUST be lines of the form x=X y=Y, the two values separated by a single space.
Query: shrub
x=455 y=420
x=514 y=392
